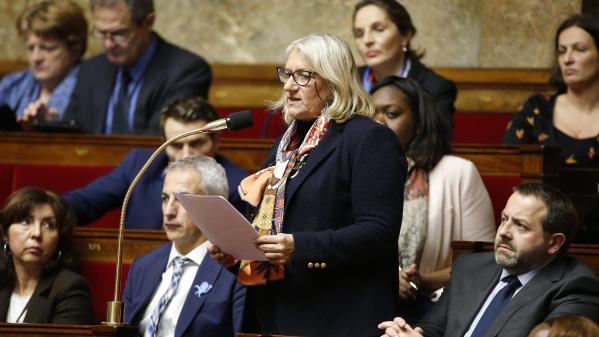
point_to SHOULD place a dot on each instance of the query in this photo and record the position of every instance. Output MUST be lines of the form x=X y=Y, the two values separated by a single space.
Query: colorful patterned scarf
x=267 y=187
x=414 y=224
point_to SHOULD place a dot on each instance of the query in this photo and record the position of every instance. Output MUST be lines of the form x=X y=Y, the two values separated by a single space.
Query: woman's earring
x=6 y=250
x=59 y=254
x=404 y=48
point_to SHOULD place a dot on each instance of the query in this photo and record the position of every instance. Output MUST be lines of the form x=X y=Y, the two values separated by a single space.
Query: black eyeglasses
x=300 y=77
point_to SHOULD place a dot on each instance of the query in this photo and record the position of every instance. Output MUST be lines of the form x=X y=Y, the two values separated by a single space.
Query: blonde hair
x=331 y=59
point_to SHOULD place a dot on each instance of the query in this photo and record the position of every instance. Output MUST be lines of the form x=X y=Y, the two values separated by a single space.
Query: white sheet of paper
x=222 y=225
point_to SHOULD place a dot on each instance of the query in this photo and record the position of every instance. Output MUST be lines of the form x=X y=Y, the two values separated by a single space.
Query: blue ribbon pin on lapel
x=202 y=288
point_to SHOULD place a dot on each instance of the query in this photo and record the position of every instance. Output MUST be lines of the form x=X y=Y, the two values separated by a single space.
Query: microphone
x=235 y=121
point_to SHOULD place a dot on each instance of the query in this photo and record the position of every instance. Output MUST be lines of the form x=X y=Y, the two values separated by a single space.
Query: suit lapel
x=533 y=289
x=478 y=291
x=104 y=79
x=151 y=77
x=39 y=300
x=4 y=301
x=149 y=282
x=207 y=274
x=317 y=156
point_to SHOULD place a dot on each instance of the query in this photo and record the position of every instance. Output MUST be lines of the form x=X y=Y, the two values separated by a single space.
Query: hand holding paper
x=222 y=225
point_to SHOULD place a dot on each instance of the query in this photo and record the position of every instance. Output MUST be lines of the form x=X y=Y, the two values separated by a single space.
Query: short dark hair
x=398 y=14
x=18 y=207
x=561 y=216
x=589 y=24
x=430 y=143
x=187 y=110
x=138 y=9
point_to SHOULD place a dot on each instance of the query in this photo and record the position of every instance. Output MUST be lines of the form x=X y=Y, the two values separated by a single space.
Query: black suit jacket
x=61 y=298
x=564 y=286
x=443 y=90
x=172 y=73
x=344 y=210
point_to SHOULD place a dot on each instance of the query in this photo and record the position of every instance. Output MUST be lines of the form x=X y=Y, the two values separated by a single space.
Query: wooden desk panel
x=100 y=244
x=533 y=163
x=61 y=330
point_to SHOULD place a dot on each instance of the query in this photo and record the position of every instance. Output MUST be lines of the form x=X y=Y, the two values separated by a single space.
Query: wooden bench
x=65 y=161
x=487 y=98
x=96 y=249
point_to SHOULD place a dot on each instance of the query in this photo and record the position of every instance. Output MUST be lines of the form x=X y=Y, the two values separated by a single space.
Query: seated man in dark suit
x=107 y=193
x=123 y=90
x=527 y=280
x=176 y=290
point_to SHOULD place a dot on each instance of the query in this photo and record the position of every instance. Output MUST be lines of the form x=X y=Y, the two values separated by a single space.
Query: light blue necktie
x=178 y=264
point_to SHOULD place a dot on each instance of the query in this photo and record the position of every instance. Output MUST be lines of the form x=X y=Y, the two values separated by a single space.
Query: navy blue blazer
x=344 y=210
x=145 y=205
x=216 y=313
x=172 y=73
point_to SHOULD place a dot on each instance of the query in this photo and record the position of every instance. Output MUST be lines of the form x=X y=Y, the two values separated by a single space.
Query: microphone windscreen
x=240 y=120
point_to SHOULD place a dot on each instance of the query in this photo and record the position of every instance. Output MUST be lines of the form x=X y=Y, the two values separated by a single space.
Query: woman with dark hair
x=570 y=118
x=444 y=196
x=55 y=34
x=36 y=283
x=383 y=30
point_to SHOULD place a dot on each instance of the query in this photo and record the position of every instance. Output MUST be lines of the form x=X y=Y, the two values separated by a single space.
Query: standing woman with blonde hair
x=328 y=205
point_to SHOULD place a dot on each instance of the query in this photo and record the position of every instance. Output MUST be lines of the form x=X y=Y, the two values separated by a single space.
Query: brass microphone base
x=114 y=314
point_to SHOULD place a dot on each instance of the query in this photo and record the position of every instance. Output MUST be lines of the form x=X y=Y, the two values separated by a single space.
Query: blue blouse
x=18 y=90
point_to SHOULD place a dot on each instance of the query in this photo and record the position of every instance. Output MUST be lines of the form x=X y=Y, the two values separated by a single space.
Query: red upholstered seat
x=61 y=179
x=480 y=128
x=100 y=276
x=266 y=125
x=6 y=175
x=500 y=189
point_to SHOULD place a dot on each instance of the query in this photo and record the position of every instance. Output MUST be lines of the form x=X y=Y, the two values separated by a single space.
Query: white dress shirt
x=523 y=278
x=17 y=309
x=168 y=320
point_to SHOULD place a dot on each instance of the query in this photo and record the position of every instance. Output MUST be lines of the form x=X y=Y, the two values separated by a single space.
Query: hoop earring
x=59 y=254
x=6 y=250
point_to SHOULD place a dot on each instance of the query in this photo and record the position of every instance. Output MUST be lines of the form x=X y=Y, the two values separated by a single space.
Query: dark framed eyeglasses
x=300 y=77
x=119 y=36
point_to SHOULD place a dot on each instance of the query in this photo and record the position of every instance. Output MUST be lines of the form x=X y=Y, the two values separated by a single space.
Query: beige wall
x=453 y=33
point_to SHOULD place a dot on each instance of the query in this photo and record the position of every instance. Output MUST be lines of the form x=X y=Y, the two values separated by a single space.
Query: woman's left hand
x=279 y=249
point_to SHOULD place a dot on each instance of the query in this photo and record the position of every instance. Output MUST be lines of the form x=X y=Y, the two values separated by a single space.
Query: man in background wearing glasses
x=122 y=90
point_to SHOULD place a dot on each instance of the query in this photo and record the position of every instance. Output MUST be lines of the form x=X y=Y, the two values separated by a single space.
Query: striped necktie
x=178 y=264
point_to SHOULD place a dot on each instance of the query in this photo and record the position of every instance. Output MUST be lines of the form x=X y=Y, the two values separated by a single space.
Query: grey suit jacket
x=564 y=286
x=61 y=298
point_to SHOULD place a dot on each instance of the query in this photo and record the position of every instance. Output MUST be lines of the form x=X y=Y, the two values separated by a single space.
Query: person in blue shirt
x=144 y=210
x=55 y=34
x=123 y=90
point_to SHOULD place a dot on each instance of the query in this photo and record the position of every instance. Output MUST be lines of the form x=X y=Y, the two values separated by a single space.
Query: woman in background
x=570 y=118
x=566 y=326
x=383 y=30
x=36 y=283
x=444 y=196
x=55 y=33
